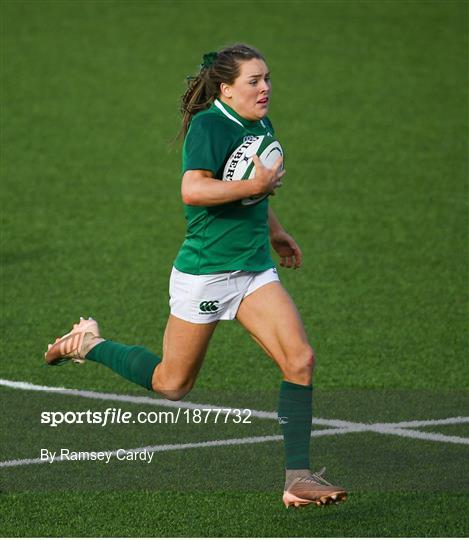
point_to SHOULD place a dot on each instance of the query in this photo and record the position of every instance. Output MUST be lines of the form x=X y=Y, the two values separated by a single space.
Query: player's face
x=249 y=95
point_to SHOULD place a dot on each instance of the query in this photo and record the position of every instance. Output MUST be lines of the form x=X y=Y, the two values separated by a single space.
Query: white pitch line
x=346 y=426
x=424 y=435
x=424 y=423
x=394 y=429
x=183 y=446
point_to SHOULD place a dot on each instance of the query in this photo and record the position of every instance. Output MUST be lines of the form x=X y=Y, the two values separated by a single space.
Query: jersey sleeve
x=207 y=144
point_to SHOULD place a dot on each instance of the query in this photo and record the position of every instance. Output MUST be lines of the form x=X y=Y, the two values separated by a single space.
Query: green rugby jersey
x=230 y=236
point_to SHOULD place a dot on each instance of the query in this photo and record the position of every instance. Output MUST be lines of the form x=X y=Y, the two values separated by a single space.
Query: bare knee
x=298 y=366
x=173 y=392
x=174 y=395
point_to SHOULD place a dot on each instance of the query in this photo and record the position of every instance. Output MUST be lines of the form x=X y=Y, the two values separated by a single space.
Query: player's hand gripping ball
x=240 y=166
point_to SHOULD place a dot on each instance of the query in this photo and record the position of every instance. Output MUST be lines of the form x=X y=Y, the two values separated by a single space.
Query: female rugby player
x=224 y=269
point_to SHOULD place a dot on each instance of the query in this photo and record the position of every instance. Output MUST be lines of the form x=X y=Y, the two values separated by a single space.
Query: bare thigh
x=184 y=348
x=271 y=317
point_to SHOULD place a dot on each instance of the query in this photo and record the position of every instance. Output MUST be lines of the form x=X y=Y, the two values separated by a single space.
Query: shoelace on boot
x=316 y=478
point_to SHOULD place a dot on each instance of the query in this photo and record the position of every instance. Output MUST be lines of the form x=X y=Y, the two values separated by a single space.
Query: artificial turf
x=370 y=104
x=140 y=513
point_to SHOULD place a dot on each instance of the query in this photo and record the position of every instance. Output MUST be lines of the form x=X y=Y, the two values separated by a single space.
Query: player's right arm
x=199 y=188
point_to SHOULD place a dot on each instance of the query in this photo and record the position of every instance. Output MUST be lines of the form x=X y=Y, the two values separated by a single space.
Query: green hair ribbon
x=208 y=60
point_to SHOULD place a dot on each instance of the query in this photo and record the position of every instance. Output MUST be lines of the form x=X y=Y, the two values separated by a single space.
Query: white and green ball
x=239 y=166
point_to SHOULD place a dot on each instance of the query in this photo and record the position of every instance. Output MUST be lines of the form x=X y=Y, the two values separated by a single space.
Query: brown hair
x=217 y=68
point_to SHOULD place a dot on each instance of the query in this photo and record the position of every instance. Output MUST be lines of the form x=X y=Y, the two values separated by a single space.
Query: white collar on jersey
x=219 y=105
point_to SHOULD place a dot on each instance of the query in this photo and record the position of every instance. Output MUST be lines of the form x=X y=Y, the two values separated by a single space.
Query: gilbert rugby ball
x=239 y=166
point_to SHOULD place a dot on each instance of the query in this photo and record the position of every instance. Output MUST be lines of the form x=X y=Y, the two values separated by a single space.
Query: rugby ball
x=240 y=166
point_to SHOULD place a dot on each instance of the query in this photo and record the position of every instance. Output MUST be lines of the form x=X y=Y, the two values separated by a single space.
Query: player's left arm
x=284 y=244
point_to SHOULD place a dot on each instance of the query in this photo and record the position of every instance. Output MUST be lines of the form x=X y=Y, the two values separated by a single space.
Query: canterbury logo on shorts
x=209 y=306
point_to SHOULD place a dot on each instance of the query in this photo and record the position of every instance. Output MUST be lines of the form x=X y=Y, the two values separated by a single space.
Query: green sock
x=295 y=416
x=136 y=364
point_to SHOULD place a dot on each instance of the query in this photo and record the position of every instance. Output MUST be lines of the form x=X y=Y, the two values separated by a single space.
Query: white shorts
x=213 y=297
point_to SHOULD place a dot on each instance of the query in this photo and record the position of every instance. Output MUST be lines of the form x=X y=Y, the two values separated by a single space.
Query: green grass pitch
x=370 y=104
